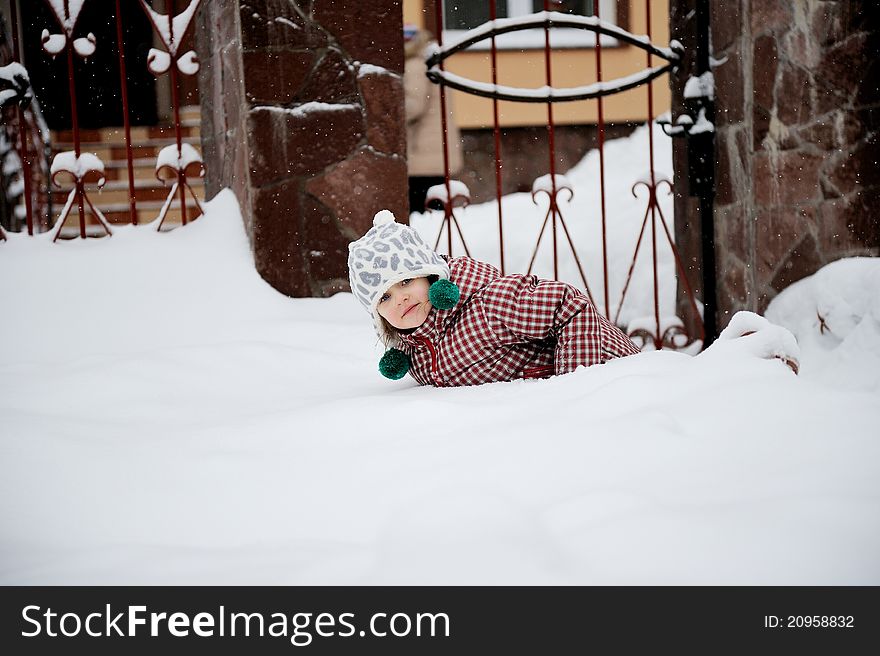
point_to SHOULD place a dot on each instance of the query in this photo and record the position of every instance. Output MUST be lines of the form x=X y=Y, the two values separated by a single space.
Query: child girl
x=457 y=321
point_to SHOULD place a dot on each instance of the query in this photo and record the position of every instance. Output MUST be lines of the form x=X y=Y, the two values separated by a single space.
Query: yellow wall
x=570 y=68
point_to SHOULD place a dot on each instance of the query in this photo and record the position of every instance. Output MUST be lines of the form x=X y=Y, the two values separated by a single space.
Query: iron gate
x=455 y=194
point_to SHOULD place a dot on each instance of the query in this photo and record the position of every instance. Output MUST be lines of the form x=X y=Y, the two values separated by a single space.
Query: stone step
x=118 y=214
x=118 y=192
x=116 y=134
x=117 y=152
x=144 y=169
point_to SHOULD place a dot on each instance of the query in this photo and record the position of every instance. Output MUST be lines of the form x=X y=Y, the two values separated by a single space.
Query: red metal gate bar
x=126 y=120
x=22 y=129
x=496 y=134
x=653 y=195
x=175 y=102
x=74 y=119
x=680 y=265
x=672 y=54
x=79 y=172
x=449 y=218
x=447 y=206
x=601 y=135
x=551 y=134
x=172 y=42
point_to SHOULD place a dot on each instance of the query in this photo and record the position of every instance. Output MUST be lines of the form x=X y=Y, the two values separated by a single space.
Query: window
x=462 y=15
x=467 y=14
x=578 y=7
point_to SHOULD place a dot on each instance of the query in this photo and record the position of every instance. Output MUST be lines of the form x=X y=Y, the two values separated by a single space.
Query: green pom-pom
x=443 y=294
x=394 y=364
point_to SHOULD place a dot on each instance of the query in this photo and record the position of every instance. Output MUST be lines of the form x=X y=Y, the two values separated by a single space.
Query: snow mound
x=751 y=333
x=835 y=315
x=167 y=417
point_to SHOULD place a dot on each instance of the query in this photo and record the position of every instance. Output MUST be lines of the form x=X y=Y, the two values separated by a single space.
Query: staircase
x=150 y=194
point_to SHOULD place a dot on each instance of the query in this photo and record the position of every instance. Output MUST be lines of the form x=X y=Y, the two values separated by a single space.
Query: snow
x=9 y=72
x=549 y=182
x=158 y=61
x=545 y=92
x=79 y=166
x=285 y=21
x=702 y=86
x=53 y=43
x=457 y=189
x=10 y=162
x=171 y=30
x=168 y=156
x=560 y=37
x=85 y=46
x=188 y=64
x=835 y=315
x=15 y=188
x=67 y=12
x=702 y=124
x=518 y=23
x=170 y=418
x=307 y=108
x=371 y=69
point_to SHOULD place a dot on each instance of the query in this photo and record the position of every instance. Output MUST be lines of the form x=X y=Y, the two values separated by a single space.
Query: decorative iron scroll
x=547 y=20
x=553 y=185
x=667 y=333
x=181 y=160
x=81 y=168
x=451 y=195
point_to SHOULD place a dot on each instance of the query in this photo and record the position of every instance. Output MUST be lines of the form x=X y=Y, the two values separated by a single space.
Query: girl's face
x=406 y=305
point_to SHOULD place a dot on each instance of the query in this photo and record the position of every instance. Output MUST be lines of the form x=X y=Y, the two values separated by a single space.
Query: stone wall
x=797 y=114
x=302 y=116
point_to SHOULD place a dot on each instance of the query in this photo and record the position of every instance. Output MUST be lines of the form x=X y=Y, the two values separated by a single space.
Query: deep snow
x=167 y=417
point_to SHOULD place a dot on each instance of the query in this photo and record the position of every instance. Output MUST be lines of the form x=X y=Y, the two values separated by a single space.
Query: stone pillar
x=797 y=114
x=302 y=116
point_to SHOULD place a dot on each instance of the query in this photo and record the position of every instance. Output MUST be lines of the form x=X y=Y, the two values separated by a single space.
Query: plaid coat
x=509 y=327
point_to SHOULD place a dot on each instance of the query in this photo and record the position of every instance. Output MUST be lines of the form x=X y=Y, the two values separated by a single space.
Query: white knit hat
x=388 y=253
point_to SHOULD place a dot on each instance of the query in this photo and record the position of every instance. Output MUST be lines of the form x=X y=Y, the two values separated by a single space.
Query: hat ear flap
x=444 y=294
x=394 y=364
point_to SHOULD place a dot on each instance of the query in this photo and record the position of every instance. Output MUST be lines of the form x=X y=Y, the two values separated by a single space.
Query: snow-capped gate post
x=302 y=116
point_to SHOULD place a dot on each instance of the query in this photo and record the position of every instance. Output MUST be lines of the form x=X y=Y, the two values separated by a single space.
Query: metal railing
x=82 y=171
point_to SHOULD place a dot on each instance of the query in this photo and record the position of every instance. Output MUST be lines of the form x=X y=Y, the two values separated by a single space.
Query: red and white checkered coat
x=508 y=327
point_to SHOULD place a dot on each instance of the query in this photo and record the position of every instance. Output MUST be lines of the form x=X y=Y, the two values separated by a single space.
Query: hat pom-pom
x=383 y=217
x=394 y=364
x=443 y=294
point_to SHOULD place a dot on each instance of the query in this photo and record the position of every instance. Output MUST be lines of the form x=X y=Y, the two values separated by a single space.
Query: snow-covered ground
x=167 y=417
